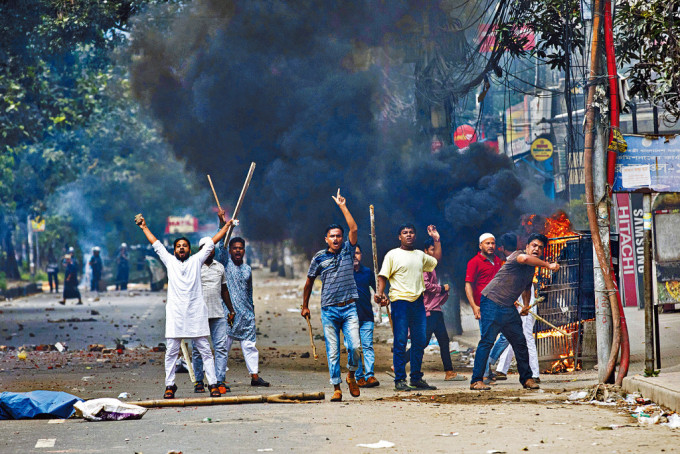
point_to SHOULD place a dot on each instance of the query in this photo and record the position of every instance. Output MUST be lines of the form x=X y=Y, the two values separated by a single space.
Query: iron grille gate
x=569 y=298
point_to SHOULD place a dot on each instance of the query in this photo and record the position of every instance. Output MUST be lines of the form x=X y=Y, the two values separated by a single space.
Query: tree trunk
x=8 y=261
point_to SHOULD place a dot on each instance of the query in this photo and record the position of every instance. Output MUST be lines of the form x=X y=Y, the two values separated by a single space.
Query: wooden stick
x=541 y=319
x=238 y=204
x=187 y=359
x=231 y=400
x=214 y=193
x=311 y=338
x=375 y=261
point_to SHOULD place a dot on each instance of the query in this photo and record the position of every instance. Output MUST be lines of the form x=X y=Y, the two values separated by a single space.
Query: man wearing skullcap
x=480 y=270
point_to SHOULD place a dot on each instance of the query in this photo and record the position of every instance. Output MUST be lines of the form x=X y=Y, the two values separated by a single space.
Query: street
x=450 y=419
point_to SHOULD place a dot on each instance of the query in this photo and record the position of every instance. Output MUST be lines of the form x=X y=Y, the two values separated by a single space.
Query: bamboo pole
x=187 y=359
x=232 y=400
x=375 y=260
x=239 y=203
x=311 y=338
x=541 y=319
x=214 y=193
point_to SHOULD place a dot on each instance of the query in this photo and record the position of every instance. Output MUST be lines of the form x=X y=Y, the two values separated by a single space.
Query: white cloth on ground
x=528 y=323
x=186 y=314
x=172 y=353
x=250 y=354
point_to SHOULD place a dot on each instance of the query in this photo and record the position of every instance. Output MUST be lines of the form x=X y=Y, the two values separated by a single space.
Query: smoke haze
x=299 y=88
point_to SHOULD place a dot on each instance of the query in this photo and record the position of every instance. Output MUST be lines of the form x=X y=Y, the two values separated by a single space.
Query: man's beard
x=180 y=258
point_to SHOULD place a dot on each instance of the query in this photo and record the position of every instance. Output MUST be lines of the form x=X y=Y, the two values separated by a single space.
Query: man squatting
x=498 y=313
x=186 y=315
x=335 y=266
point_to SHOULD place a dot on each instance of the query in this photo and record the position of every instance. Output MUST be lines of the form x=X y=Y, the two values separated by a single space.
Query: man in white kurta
x=186 y=315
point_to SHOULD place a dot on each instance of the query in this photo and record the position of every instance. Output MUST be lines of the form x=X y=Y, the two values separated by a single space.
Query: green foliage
x=556 y=25
x=3 y=281
x=648 y=39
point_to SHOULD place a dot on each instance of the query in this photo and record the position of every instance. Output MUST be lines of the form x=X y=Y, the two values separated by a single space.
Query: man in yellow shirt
x=404 y=268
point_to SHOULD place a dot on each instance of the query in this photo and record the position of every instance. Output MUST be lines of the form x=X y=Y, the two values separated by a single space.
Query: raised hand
x=340 y=200
x=139 y=220
x=554 y=266
x=221 y=215
x=432 y=231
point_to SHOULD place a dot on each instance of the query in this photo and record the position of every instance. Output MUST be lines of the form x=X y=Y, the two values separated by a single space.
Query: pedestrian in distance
x=216 y=297
x=404 y=268
x=186 y=314
x=498 y=311
x=70 y=281
x=52 y=270
x=96 y=269
x=239 y=277
x=365 y=280
x=122 y=268
x=335 y=266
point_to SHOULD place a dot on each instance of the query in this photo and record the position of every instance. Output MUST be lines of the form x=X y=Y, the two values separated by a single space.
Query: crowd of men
x=211 y=294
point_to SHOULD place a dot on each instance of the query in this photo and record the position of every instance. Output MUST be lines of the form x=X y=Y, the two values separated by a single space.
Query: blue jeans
x=408 y=316
x=218 y=334
x=501 y=319
x=364 y=370
x=496 y=352
x=334 y=319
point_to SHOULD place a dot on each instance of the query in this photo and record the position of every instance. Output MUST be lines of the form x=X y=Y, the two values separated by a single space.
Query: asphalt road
x=451 y=419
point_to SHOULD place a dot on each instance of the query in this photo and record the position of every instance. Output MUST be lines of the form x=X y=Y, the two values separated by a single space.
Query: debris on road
x=36 y=404
x=108 y=409
x=378 y=445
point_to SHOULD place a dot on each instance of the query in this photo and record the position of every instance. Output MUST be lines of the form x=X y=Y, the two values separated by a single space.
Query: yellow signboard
x=541 y=149
x=38 y=224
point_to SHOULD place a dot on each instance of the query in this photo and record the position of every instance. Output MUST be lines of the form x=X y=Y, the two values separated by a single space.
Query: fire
x=558 y=225
x=567 y=360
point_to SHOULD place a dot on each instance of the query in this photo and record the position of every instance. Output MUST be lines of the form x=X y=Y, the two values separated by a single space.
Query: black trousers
x=435 y=325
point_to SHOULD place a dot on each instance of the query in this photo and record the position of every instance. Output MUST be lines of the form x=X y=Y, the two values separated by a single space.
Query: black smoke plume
x=296 y=87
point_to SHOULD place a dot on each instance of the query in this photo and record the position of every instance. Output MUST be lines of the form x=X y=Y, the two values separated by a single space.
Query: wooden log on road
x=232 y=400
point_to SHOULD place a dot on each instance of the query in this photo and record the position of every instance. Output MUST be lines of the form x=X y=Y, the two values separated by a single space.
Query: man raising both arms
x=186 y=315
x=404 y=268
x=335 y=265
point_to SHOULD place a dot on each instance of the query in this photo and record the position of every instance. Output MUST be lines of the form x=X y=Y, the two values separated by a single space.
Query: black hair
x=174 y=245
x=237 y=239
x=334 y=226
x=407 y=225
x=538 y=236
x=429 y=242
x=508 y=241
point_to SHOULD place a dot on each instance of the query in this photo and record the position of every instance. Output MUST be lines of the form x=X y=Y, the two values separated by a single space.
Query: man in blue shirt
x=365 y=280
x=335 y=266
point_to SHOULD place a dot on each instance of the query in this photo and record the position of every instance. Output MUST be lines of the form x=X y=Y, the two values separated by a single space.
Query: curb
x=663 y=390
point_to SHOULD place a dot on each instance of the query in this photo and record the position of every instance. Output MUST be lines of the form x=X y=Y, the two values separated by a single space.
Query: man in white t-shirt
x=404 y=267
x=186 y=315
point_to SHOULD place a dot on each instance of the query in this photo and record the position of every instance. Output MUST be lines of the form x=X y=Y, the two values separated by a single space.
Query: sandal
x=214 y=391
x=337 y=396
x=479 y=386
x=199 y=387
x=456 y=377
x=170 y=392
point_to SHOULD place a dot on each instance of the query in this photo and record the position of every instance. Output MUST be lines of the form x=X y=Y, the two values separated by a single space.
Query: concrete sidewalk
x=663 y=390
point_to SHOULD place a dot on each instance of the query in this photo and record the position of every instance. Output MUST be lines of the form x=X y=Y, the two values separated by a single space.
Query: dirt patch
x=480 y=398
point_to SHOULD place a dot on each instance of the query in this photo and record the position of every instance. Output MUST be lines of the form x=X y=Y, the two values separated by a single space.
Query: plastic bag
x=107 y=409
x=36 y=404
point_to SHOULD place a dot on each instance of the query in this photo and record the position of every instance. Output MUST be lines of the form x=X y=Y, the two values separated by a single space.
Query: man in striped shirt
x=335 y=266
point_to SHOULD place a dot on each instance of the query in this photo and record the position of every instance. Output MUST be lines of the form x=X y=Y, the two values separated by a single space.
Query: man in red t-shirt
x=481 y=269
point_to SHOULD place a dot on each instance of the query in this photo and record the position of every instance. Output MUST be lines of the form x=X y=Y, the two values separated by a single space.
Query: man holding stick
x=185 y=311
x=498 y=311
x=404 y=268
x=335 y=266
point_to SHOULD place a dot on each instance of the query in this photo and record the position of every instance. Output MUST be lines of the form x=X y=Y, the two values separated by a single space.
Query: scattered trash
x=208 y=420
x=454 y=346
x=107 y=409
x=265 y=450
x=36 y=404
x=96 y=347
x=494 y=451
x=123 y=395
x=578 y=395
x=292 y=309
x=305 y=355
x=450 y=434
x=22 y=356
x=60 y=347
x=673 y=421
x=378 y=445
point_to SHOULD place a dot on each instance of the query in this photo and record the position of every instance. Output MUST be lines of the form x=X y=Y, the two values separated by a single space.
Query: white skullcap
x=485 y=236
x=123 y=244
x=204 y=240
x=96 y=248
